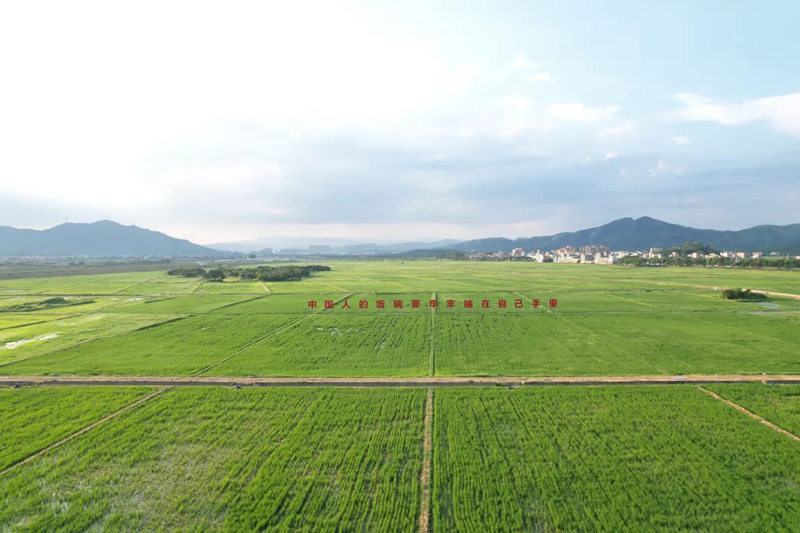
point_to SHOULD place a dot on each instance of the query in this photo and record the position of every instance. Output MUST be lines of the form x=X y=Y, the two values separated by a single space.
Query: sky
x=398 y=120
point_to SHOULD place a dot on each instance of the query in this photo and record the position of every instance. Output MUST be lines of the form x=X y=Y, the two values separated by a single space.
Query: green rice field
x=487 y=319
x=99 y=433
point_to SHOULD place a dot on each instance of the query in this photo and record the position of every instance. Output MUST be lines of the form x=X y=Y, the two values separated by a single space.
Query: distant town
x=604 y=256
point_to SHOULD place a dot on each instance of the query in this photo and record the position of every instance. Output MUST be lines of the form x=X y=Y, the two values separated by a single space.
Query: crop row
x=778 y=404
x=607 y=459
x=34 y=418
x=325 y=345
x=232 y=460
x=179 y=347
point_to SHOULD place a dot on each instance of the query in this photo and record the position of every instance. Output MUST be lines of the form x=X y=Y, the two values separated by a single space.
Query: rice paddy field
x=128 y=448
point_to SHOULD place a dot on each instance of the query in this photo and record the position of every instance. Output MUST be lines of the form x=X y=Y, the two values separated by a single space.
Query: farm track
x=781 y=294
x=227 y=381
x=425 y=476
x=750 y=414
x=81 y=432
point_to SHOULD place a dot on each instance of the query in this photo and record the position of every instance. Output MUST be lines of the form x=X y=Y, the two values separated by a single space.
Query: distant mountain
x=430 y=253
x=279 y=241
x=644 y=233
x=103 y=238
x=337 y=246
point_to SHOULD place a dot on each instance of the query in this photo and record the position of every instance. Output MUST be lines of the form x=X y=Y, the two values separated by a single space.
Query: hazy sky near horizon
x=410 y=119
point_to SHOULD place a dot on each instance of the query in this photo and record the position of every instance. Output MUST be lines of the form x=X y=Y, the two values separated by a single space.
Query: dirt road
x=696 y=379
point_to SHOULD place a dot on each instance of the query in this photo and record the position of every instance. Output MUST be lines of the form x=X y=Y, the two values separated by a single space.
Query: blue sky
x=399 y=120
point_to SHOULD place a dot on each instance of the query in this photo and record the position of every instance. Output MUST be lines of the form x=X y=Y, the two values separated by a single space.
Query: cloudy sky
x=398 y=120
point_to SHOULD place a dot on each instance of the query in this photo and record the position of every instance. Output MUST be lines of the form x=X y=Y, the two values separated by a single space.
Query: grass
x=178 y=347
x=232 y=460
x=780 y=404
x=22 y=344
x=630 y=458
x=328 y=345
x=34 y=418
x=608 y=320
x=607 y=458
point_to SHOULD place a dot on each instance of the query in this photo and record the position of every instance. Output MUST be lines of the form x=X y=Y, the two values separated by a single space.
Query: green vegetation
x=742 y=294
x=348 y=459
x=34 y=418
x=52 y=334
x=326 y=345
x=777 y=263
x=607 y=321
x=607 y=458
x=260 y=273
x=780 y=404
x=177 y=347
x=49 y=303
x=188 y=272
x=233 y=460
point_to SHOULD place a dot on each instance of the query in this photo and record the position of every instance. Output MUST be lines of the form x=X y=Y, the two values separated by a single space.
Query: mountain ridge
x=100 y=239
x=646 y=232
x=108 y=238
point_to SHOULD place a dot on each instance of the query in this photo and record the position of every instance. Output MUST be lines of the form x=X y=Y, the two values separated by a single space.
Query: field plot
x=490 y=303
x=27 y=342
x=228 y=460
x=780 y=404
x=7 y=320
x=231 y=287
x=178 y=347
x=607 y=320
x=161 y=287
x=410 y=303
x=333 y=346
x=530 y=344
x=607 y=459
x=678 y=343
x=311 y=286
x=34 y=418
x=527 y=344
x=179 y=305
x=70 y=305
x=290 y=304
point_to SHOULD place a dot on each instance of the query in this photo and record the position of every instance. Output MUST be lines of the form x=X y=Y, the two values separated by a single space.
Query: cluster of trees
x=259 y=273
x=696 y=246
x=777 y=262
x=742 y=294
x=187 y=272
x=772 y=262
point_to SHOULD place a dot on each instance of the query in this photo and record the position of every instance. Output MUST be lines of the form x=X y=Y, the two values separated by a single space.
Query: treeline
x=784 y=263
x=187 y=272
x=259 y=273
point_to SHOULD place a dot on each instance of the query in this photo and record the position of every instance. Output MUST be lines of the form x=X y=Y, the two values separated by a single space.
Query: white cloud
x=680 y=140
x=519 y=115
x=520 y=62
x=101 y=111
x=611 y=155
x=781 y=112
x=619 y=130
x=540 y=76
x=577 y=112
x=664 y=167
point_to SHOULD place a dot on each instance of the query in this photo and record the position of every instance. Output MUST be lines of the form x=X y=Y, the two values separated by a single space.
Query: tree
x=215 y=275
